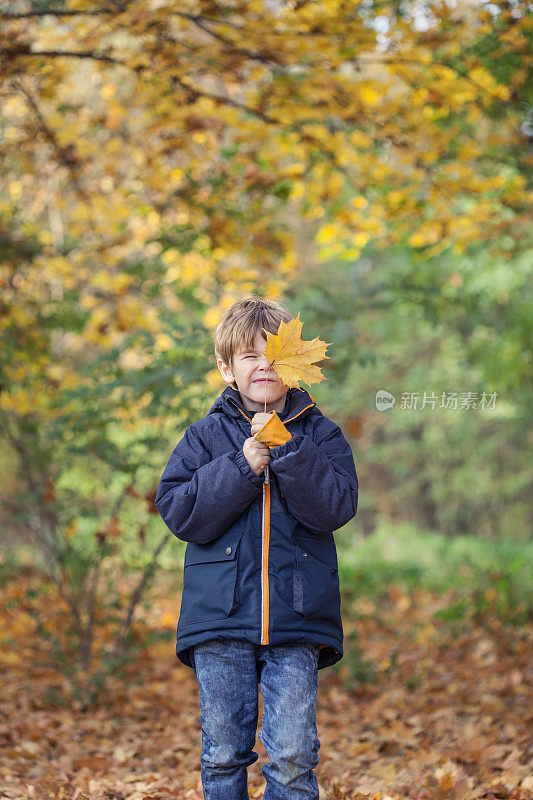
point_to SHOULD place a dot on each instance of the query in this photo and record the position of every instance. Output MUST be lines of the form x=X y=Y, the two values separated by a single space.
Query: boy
x=261 y=600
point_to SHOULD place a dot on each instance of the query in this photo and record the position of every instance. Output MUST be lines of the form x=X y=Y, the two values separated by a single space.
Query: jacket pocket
x=316 y=590
x=210 y=588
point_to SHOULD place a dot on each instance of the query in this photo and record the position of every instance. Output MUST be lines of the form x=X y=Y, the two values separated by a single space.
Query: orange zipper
x=265 y=542
x=265 y=537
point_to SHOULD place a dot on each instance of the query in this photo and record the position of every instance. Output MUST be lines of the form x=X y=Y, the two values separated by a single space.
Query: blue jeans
x=228 y=673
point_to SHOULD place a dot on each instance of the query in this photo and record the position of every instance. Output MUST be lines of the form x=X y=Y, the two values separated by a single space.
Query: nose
x=264 y=363
x=263 y=368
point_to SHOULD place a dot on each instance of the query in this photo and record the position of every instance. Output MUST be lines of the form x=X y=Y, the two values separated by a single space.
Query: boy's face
x=249 y=371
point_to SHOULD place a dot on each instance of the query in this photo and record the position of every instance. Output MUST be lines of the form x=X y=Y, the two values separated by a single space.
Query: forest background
x=368 y=163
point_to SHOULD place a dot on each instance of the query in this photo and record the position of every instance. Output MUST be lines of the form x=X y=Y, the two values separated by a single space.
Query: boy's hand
x=257 y=454
x=258 y=420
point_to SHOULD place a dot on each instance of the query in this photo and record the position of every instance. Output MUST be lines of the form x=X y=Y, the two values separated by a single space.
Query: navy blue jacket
x=260 y=563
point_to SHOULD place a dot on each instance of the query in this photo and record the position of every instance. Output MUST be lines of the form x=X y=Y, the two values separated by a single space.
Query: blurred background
x=368 y=164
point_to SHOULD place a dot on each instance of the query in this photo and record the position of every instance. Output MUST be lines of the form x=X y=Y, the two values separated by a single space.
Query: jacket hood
x=230 y=403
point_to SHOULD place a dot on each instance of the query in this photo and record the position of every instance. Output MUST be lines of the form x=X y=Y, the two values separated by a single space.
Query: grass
x=401 y=583
x=479 y=573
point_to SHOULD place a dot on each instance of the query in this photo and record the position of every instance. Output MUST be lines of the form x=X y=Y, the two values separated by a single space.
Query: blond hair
x=240 y=323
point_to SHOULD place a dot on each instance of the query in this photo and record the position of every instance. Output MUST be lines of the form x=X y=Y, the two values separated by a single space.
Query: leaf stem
x=266 y=387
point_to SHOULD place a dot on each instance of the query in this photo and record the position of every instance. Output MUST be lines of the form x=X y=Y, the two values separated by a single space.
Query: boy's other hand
x=258 y=420
x=256 y=453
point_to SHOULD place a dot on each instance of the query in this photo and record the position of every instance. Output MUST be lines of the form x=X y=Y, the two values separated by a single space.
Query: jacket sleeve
x=198 y=497
x=318 y=481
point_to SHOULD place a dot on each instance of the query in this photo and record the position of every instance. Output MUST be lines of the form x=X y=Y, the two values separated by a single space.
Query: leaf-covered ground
x=434 y=710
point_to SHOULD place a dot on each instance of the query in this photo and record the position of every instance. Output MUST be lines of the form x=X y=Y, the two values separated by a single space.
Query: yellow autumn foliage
x=180 y=150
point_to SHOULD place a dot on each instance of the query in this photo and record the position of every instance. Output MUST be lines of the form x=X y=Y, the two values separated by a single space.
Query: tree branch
x=64 y=157
x=199 y=21
x=57 y=13
x=15 y=52
x=136 y=596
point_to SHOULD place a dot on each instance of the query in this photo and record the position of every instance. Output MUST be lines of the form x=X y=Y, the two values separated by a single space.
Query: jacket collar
x=297 y=402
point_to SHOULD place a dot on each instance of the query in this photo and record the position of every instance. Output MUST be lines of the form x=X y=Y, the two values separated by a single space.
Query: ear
x=225 y=371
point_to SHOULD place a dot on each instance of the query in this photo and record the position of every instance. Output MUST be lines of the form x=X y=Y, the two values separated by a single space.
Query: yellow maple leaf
x=291 y=357
x=273 y=432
